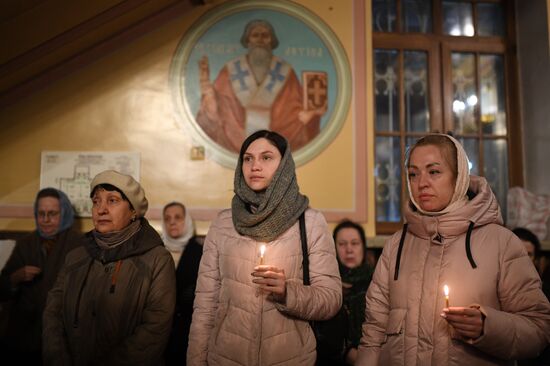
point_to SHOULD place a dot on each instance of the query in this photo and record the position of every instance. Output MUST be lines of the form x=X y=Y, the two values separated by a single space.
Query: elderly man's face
x=260 y=36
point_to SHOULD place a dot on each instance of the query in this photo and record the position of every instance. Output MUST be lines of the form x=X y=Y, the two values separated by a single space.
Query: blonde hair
x=445 y=146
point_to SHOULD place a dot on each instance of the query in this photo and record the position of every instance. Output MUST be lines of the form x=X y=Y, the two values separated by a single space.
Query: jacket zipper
x=114 y=276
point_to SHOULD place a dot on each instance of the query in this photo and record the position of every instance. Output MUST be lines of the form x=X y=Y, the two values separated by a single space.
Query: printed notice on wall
x=73 y=171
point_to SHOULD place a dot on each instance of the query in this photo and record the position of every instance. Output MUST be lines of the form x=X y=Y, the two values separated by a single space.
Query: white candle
x=446 y=291
x=262 y=251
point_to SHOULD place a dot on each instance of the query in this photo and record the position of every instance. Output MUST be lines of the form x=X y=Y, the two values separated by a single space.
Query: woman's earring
x=133 y=218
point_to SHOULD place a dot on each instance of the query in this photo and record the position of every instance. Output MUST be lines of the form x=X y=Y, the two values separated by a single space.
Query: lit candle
x=262 y=251
x=446 y=291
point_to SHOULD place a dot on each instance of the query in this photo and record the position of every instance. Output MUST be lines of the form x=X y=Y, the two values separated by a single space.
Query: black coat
x=186 y=281
x=24 y=331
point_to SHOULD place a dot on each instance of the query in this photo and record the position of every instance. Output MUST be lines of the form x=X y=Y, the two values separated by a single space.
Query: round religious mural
x=250 y=65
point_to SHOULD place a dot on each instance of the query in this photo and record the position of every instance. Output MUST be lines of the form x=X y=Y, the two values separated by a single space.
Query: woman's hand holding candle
x=272 y=280
x=467 y=322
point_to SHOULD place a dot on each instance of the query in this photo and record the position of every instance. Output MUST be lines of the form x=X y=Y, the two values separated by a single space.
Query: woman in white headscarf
x=494 y=311
x=177 y=230
x=178 y=234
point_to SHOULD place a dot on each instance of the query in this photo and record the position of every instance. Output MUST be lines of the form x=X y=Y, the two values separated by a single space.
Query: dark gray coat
x=96 y=315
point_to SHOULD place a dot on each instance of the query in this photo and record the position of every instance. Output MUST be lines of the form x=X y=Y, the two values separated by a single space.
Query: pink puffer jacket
x=403 y=324
x=234 y=324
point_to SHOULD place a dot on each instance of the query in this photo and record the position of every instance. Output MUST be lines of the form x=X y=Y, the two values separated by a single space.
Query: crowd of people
x=270 y=284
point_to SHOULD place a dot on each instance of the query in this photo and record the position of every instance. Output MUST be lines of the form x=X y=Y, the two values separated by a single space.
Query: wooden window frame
x=439 y=48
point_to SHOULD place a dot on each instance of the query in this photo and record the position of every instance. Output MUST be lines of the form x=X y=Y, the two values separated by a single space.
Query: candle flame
x=446 y=290
x=262 y=250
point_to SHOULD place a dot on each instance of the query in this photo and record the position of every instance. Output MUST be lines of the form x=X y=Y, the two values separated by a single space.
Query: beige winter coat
x=403 y=324
x=234 y=324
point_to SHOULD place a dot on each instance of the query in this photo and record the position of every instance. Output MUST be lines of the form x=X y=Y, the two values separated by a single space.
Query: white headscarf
x=178 y=244
x=459 y=197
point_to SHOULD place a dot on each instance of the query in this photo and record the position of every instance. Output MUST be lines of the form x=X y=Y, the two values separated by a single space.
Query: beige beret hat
x=128 y=185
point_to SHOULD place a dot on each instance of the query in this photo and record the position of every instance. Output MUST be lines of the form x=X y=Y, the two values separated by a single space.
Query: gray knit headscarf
x=275 y=210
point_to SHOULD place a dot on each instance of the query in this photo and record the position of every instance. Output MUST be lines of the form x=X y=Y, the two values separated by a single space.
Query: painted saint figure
x=255 y=91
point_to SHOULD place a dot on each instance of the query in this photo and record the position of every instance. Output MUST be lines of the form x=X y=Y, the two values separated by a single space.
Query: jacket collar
x=144 y=240
x=481 y=209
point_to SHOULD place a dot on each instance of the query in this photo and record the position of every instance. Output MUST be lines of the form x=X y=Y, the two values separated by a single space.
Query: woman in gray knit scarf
x=251 y=305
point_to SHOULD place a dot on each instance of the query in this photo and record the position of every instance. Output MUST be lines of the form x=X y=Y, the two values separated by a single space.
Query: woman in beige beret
x=113 y=301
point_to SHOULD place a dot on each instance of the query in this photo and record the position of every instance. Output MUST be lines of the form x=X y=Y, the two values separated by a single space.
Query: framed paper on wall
x=73 y=171
x=250 y=65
